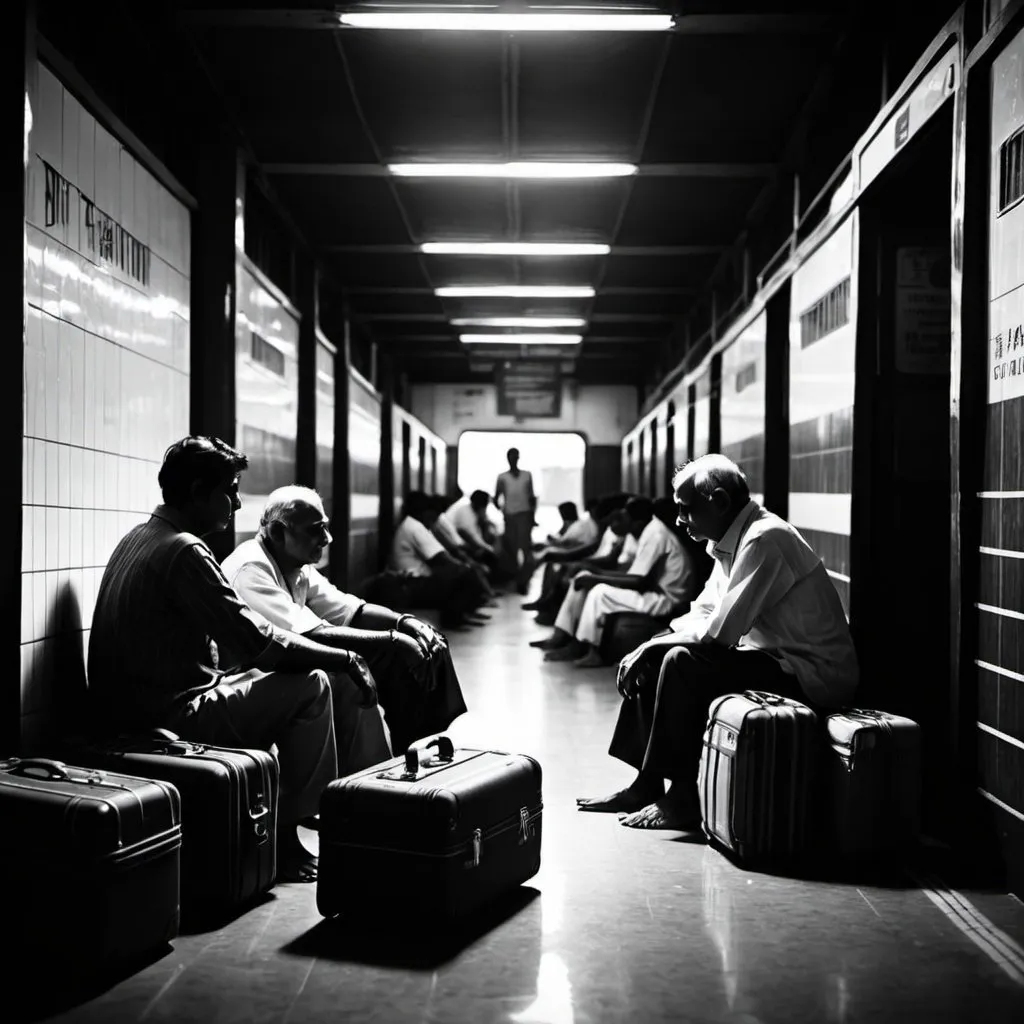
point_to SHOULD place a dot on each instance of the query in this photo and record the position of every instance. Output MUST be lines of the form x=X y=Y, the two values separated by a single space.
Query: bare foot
x=628 y=799
x=294 y=862
x=664 y=813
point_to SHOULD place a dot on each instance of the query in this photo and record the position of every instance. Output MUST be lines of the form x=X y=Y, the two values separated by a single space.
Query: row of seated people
x=262 y=651
x=768 y=618
x=636 y=560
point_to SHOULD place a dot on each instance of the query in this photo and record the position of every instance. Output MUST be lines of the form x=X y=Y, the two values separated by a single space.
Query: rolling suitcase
x=874 y=780
x=755 y=777
x=89 y=862
x=440 y=836
x=228 y=809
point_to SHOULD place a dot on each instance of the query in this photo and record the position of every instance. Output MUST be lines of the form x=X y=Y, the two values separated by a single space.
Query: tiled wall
x=106 y=378
x=1000 y=589
x=743 y=403
x=267 y=394
x=821 y=390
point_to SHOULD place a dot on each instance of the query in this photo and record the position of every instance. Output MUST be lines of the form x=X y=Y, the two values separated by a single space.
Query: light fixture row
x=478 y=21
x=521 y=339
x=523 y=169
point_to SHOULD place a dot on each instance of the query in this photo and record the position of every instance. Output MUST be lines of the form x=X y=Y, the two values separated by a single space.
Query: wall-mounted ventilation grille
x=829 y=313
x=265 y=354
x=1011 y=171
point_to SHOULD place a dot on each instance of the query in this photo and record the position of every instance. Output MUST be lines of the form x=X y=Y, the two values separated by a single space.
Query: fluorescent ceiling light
x=462 y=21
x=520 y=339
x=515 y=249
x=519 y=321
x=514 y=170
x=514 y=291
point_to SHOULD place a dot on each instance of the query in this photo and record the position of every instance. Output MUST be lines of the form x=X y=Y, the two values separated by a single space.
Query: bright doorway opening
x=555 y=460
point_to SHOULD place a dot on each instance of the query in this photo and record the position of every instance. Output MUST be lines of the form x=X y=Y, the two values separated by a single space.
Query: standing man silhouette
x=514 y=495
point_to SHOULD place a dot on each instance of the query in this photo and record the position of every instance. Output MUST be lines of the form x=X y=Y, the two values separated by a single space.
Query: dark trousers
x=661 y=731
x=416 y=704
x=455 y=591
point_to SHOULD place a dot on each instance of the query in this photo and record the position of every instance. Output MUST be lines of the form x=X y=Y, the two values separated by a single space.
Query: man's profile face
x=696 y=513
x=306 y=533
x=215 y=509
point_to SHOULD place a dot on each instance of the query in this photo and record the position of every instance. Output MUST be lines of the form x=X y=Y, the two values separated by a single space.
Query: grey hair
x=282 y=503
x=710 y=472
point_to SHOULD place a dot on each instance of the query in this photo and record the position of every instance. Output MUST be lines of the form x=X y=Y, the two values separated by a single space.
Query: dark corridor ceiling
x=706 y=111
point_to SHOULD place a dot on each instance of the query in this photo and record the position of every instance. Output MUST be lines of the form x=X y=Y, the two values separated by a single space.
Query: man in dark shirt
x=173 y=646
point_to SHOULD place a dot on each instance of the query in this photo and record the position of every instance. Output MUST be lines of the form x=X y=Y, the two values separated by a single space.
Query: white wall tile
x=86 y=153
x=63 y=455
x=28 y=624
x=47 y=129
x=88 y=479
x=27 y=549
x=63 y=538
x=52 y=497
x=38 y=539
x=39 y=484
x=127 y=170
x=75 y=537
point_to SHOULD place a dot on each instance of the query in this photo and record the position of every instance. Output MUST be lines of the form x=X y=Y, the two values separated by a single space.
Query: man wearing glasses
x=768 y=618
x=275 y=573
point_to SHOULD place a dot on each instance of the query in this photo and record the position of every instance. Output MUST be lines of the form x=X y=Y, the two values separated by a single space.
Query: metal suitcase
x=228 y=808
x=442 y=835
x=874 y=780
x=90 y=864
x=756 y=773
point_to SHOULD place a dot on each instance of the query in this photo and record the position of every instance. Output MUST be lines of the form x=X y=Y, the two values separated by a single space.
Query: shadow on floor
x=197 y=923
x=44 y=990
x=415 y=945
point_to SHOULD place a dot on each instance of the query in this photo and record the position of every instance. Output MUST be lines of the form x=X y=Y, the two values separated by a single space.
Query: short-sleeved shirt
x=677 y=577
x=464 y=518
x=580 y=532
x=444 y=531
x=517 y=489
x=413 y=547
x=299 y=600
x=167 y=626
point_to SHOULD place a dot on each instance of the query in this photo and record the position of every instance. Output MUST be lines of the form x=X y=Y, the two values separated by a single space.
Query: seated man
x=276 y=574
x=434 y=578
x=450 y=540
x=173 y=646
x=469 y=519
x=616 y=549
x=767 y=619
x=659 y=580
x=575 y=532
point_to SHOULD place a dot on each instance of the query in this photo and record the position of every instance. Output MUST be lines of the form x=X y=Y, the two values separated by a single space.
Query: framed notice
x=922 y=309
x=529 y=390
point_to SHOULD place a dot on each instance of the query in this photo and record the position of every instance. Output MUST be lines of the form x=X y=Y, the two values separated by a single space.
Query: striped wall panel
x=325 y=399
x=821 y=389
x=364 y=480
x=999 y=604
x=267 y=396
x=702 y=414
x=681 y=421
x=742 y=409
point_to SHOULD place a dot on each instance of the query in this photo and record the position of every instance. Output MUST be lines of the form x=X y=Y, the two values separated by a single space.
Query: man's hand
x=359 y=672
x=411 y=649
x=584 y=581
x=428 y=638
x=631 y=672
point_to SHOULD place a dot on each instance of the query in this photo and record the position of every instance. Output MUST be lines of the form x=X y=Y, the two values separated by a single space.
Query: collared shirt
x=769 y=591
x=167 y=625
x=413 y=547
x=299 y=600
x=517 y=489
x=576 y=534
x=677 y=576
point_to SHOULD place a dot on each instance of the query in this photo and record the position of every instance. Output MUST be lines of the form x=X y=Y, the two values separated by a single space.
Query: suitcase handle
x=44 y=769
x=763 y=698
x=445 y=751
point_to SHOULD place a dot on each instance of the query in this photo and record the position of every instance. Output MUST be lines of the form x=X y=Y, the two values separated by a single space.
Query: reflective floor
x=619 y=925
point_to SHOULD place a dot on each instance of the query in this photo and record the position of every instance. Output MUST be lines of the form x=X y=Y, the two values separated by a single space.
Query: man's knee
x=314 y=688
x=679 y=661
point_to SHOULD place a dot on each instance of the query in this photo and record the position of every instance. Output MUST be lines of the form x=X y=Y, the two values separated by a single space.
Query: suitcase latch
x=257 y=813
x=524 y=825
x=477 y=842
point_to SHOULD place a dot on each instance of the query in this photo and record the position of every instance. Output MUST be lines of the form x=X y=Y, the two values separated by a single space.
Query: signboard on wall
x=529 y=390
x=922 y=309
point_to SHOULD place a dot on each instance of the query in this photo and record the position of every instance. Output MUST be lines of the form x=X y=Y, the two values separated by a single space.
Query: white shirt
x=465 y=520
x=517 y=490
x=677 y=577
x=413 y=547
x=298 y=601
x=582 y=531
x=628 y=552
x=608 y=541
x=445 y=531
x=769 y=591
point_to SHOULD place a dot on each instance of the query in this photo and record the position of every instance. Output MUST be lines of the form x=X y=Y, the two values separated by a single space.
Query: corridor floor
x=618 y=926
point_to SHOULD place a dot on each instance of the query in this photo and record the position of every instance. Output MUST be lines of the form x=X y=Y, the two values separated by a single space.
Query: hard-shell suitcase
x=440 y=836
x=874 y=782
x=89 y=862
x=228 y=809
x=756 y=772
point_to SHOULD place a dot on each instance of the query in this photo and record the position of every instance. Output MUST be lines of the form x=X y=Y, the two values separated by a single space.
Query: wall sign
x=529 y=390
x=922 y=310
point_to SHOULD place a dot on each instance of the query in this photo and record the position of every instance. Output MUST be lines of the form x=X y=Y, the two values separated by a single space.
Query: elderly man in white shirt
x=276 y=574
x=660 y=580
x=768 y=619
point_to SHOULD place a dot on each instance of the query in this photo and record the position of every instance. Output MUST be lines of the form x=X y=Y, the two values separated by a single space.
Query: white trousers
x=583 y=612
